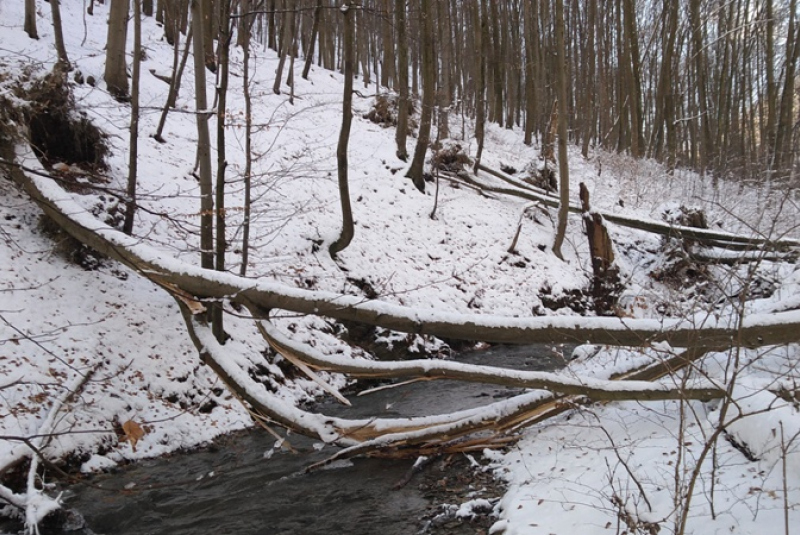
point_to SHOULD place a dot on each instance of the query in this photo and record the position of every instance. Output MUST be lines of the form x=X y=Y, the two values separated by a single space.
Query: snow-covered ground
x=589 y=471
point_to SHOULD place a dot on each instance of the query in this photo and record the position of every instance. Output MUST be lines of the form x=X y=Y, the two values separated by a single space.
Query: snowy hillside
x=63 y=315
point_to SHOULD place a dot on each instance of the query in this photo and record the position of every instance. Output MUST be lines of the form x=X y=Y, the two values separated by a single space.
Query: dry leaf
x=133 y=432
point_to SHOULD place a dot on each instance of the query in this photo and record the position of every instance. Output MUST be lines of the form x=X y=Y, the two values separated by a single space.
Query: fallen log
x=702 y=329
x=724 y=240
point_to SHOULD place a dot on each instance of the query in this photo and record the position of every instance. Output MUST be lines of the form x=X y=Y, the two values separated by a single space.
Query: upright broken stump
x=606 y=285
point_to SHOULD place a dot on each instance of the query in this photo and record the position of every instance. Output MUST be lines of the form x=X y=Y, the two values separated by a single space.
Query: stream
x=243 y=484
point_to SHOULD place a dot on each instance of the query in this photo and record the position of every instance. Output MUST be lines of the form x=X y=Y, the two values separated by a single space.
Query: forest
x=336 y=197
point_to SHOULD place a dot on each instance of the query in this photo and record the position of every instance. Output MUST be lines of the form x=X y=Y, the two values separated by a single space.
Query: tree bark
x=415 y=171
x=175 y=83
x=348 y=227
x=481 y=36
x=133 y=156
x=244 y=28
x=784 y=155
x=403 y=102
x=203 y=140
x=635 y=82
x=116 y=75
x=286 y=47
x=220 y=245
x=590 y=113
x=563 y=165
x=58 y=33
x=313 y=39
x=29 y=26
x=700 y=72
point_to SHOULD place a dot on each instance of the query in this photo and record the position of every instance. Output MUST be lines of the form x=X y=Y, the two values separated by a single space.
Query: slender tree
x=175 y=83
x=481 y=31
x=58 y=33
x=403 y=102
x=287 y=46
x=220 y=246
x=244 y=28
x=133 y=155
x=313 y=39
x=784 y=155
x=203 y=140
x=563 y=167
x=415 y=171
x=348 y=227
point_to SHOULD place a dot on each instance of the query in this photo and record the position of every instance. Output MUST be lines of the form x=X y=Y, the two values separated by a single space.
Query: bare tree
x=313 y=39
x=133 y=155
x=116 y=73
x=58 y=32
x=245 y=25
x=348 y=228
x=563 y=166
x=403 y=102
x=203 y=141
x=30 y=19
x=415 y=171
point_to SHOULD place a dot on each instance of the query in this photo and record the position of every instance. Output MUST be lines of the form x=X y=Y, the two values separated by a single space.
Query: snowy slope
x=58 y=321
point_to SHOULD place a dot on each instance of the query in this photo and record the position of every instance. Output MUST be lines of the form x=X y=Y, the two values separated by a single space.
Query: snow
x=581 y=472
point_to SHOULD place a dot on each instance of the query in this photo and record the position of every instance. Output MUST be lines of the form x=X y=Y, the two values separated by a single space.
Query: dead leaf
x=133 y=433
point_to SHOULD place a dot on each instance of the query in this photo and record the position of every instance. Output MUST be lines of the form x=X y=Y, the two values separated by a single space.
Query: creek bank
x=247 y=482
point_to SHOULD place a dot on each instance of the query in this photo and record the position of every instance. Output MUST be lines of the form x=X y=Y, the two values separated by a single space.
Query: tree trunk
x=175 y=83
x=481 y=37
x=605 y=282
x=772 y=86
x=116 y=75
x=203 y=140
x=58 y=33
x=388 y=78
x=133 y=156
x=286 y=47
x=784 y=155
x=30 y=19
x=443 y=94
x=312 y=40
x=224 y=36
x=415 y=172
x=700 y=70
x=563 y=166
x=663 y=121
x=403 y=102
x=590 y=113
x=209 y=34
x=348 y=228
x=635 y=82
x=531 y=35
x=244 y=28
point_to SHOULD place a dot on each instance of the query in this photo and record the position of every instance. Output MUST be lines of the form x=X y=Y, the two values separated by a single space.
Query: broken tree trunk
x=606 y=285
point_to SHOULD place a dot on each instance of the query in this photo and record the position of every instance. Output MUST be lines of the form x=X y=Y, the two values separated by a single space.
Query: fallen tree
x=701 y=330
x=712 y=238
x=191 y=285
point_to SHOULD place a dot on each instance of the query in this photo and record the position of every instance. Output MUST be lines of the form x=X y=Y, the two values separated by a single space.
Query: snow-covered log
x=702 y=329
x=725 y=240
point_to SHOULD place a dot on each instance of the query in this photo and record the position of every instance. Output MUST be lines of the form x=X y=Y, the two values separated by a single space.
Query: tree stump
x=606 y=284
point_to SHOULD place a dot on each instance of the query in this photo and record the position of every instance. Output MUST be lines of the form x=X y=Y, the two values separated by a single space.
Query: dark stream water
x=243 y=485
